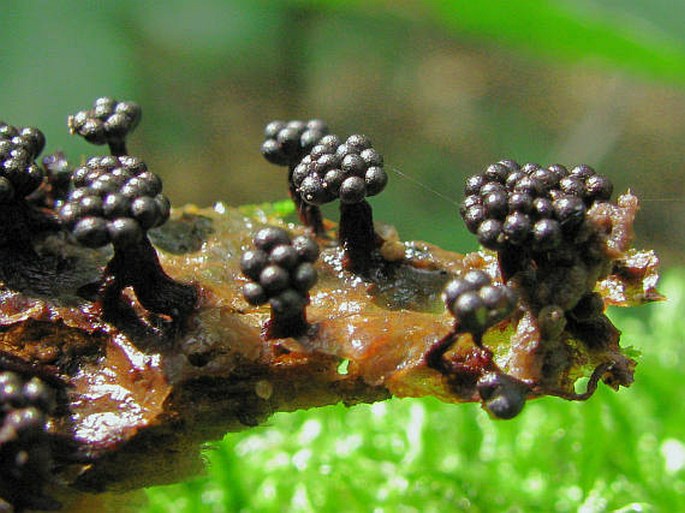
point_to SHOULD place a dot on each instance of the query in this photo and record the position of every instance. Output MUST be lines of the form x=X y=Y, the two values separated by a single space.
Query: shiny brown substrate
x=144 y=394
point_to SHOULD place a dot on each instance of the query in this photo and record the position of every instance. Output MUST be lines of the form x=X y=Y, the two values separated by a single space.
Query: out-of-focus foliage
x=645 y=37
x=621 y=34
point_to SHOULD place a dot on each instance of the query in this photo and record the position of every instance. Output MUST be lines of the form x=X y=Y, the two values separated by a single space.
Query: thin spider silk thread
x=423 y=186
x=418 y=183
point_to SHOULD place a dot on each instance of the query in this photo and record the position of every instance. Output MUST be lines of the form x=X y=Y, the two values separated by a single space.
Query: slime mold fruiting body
x=159 y=330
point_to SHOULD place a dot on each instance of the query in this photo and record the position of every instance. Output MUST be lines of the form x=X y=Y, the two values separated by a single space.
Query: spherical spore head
x=119 y=193
x=503 y=396
x=25 y=443
x=477 y=304
x=280 y=271
x=286 y=143
x=19 y=173
x=108 y=121
x=348 y=171
x=530 y=209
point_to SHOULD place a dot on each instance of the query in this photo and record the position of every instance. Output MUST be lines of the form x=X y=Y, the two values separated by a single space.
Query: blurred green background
x=443 y=87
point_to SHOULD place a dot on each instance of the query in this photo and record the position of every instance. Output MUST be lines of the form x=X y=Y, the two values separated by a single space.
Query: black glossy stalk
x=357 y=237
x=138 y=266
x=285 y=326
x=117 y=147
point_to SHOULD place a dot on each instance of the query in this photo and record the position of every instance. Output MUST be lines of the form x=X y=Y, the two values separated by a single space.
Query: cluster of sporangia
x=25 y=451
x=108 y=122
x=530 y=206
x=550 y=258
x=20 y=176
x=112 y=199
x=281 y=272
x=533 y=217
x=323 y=168
x=477 y=303
x=19 y=173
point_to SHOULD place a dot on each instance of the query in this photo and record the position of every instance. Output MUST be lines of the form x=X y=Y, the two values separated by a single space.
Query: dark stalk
x=283 y=325
x=357 y=237
x=137 y=266
x=117 y=147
